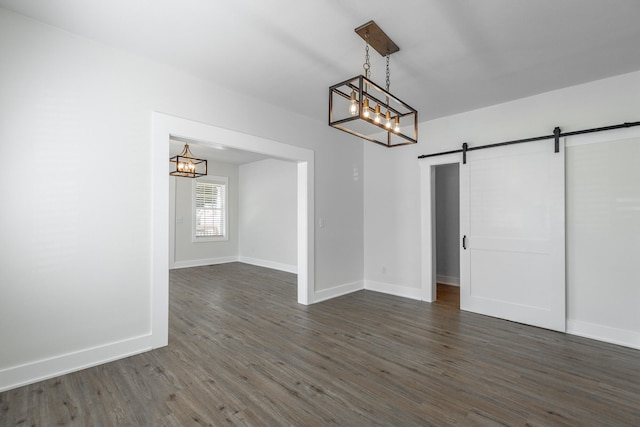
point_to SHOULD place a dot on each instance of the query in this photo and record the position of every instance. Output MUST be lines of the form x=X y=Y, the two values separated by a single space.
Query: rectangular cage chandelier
x=364 y=109
x=187 y=166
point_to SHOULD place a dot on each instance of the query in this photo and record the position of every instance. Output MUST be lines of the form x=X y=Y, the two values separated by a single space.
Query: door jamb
x=427 y=218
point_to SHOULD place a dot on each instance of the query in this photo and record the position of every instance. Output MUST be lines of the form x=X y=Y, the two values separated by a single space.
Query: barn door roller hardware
x=556 y=135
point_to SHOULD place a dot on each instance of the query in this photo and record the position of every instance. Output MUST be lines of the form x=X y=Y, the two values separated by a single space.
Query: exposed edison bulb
x=365 y=108
x=353 y=107
x=397 y=126
x=387 y=118
x=377 y=116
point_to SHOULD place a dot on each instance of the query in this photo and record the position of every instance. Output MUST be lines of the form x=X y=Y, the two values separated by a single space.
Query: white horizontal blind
x=210 y=210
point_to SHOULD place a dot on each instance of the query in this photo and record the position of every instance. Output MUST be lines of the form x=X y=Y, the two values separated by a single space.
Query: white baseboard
x=247 y=260
x=337 y=291
x=388 y=288
x=202 y=262
x=448 y=280
x=608 y=334
x=29 y=373
x=269 y=264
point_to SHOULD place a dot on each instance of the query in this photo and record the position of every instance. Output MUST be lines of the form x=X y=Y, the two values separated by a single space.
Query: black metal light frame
x=366 y=89
x=351 y=102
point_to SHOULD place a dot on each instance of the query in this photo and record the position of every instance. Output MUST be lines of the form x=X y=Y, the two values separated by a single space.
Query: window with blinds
x=210 y=210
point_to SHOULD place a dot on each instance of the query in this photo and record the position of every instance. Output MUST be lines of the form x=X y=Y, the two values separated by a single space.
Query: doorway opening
x=447 y=234
x=164 y=128
x=428 y=169
x=260 y=208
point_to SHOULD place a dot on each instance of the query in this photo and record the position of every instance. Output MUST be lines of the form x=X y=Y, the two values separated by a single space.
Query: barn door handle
x=464 y=242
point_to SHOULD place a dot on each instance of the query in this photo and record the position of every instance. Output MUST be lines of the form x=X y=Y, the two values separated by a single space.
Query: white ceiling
x=455 y=55
x=207 y=151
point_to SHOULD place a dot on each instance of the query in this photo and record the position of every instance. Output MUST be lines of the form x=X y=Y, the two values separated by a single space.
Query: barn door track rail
x=556 y=135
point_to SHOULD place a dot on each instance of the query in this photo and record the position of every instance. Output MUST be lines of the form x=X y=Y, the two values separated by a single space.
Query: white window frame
x=220 y=180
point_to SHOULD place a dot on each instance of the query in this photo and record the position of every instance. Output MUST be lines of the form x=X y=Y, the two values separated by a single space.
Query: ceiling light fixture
x=187 y=166
x=349 y=101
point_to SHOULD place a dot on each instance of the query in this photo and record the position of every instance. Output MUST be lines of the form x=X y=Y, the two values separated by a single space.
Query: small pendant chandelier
x=390 y=122
x=187 y=166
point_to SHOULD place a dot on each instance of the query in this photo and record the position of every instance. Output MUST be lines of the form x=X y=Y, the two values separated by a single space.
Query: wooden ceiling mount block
x=377 y=38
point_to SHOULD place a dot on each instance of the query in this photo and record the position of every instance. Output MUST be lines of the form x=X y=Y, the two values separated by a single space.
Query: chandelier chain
x=367 y=63
x=388 y=74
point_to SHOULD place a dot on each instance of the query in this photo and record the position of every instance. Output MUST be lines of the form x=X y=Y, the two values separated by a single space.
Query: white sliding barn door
x=512 y=217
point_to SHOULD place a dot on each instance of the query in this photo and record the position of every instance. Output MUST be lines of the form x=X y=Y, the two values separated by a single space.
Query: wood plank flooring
x=448 y=296
x=243 y=352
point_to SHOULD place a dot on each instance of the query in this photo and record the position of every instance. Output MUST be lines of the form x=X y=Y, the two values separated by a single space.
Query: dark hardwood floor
x=243 y=352
x=448 y=296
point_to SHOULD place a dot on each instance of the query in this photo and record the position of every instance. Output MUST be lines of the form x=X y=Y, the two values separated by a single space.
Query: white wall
x=267 y=215
x=392 y=189
x=75 y=281
x=189 y=253
x=448 y=224
x=391 y=221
